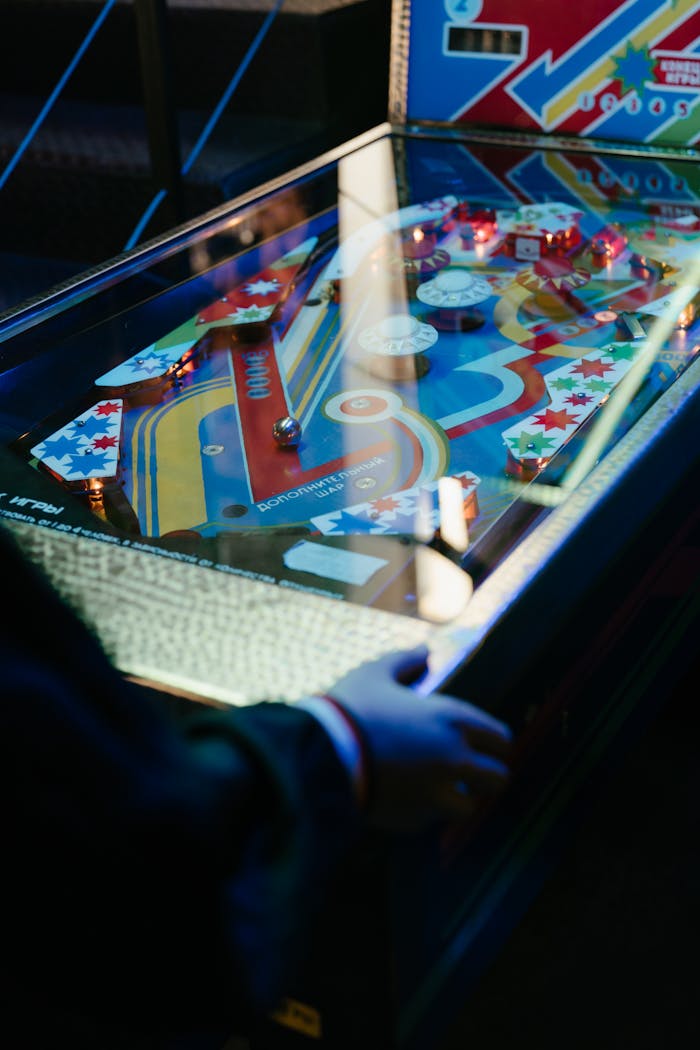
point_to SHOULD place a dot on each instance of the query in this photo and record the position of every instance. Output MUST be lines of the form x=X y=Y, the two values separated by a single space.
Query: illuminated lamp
x=687 y=316
x=608 y=243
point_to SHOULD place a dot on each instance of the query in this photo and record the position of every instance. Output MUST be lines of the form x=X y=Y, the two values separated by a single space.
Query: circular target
x=454 y=289
x=362 y=406
x=398 y=335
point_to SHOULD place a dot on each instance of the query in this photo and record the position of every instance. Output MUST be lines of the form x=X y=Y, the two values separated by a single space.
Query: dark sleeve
x=163 y=870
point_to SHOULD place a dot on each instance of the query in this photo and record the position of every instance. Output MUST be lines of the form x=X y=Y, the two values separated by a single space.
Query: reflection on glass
x=453 y=526
x=443 y=588
x=424 y=343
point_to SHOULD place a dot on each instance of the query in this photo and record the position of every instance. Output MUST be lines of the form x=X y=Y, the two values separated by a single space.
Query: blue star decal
x=152 y=363
x=634 y=68
x=92 y=426
x=58 y=447
x=86 y=464
x=346 y=524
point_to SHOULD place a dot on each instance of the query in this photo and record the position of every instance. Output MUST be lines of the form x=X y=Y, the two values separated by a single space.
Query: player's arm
x=161 y=871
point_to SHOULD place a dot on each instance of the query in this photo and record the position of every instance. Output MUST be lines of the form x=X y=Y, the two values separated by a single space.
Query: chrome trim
x=467 y=133
x=398 y=59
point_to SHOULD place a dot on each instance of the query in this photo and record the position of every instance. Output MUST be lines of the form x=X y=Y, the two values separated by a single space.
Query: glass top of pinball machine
x=417 y=342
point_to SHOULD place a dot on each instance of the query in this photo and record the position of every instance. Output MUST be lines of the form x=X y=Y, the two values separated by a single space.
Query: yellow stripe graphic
x=606 y=69
x=176 y=468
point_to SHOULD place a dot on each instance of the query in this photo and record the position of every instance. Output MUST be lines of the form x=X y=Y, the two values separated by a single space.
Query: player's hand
x=428 y=756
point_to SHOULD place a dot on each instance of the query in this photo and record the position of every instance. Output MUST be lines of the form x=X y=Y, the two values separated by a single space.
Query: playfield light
x=686 y=316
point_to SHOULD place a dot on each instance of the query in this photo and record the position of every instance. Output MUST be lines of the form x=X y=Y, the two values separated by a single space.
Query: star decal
x=107 y=408
x=634 y=68
x=551 y=420
x=586 y=369
x=346 y=524
x=598 y=386
x=82 y=464
x=622 y=351
x=57 y=447
x=384 y=503
x=578 y=399
x=152 y=363
x=90 y=427
x=564 y=384
x=104 y=442
x=532 y=444
x=262 y=287
x=250 y=314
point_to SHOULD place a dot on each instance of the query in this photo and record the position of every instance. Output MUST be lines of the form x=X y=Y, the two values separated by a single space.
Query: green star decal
x=532 y=444
x=623 y=351
x=598 y=386
x=564 y=384
x=251 y=313
x=634 y=68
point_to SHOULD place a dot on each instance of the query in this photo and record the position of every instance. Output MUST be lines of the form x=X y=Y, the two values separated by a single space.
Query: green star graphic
x=623 y=352
x=598 y=386
x=564 y=384
x=532 y=444
x=252 y=313
x=634 y=68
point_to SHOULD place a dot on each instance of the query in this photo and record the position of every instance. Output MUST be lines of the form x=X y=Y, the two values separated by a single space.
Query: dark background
x=319 y=77
x=605 y=955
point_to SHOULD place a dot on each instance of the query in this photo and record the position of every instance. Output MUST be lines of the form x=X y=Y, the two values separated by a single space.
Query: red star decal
x=591 y=368
x=551 y=420
x=104 y=442
x=385 y=503
x=578 y=399
x=108 y=409
x=468 y=481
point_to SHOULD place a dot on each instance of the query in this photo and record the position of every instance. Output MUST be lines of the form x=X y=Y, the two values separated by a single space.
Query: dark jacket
x=158 y=869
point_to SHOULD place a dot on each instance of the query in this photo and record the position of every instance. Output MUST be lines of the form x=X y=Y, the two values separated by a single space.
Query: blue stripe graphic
x=543 y=80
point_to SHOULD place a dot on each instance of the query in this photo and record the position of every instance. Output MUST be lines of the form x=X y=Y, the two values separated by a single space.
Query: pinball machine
x=440 y=386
